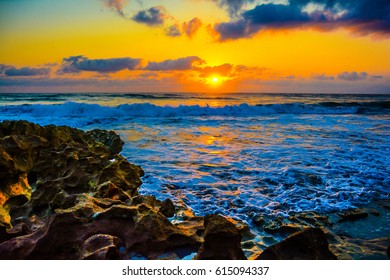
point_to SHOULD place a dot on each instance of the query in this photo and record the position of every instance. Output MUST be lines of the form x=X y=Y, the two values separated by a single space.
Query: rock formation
x=67 y=194
x=309 y=244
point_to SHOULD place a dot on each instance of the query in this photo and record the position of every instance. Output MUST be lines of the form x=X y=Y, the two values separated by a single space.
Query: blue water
x=238 y=154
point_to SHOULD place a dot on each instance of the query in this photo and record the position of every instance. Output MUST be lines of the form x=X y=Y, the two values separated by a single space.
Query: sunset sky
x=324 y=46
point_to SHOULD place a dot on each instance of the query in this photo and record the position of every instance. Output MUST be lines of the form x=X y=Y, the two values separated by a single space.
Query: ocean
x=238 y=155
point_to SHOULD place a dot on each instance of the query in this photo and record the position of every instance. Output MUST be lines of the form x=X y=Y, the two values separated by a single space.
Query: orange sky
x=177 y=45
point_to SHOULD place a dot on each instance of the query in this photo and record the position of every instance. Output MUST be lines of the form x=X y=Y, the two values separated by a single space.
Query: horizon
x=208 y=46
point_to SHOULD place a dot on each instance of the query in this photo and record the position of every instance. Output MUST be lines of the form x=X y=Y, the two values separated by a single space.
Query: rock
x=167 y=208
x=353 y=215
x=102 y=247
x=309 y=244
x=109 y=138
x=64 y=195
x=276 y=225
x=310 y=219
x=13 y=195
x=221 y=240
x=58 y=163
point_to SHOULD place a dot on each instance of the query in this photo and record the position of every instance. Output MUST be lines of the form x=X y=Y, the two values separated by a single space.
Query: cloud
x=353 y=76
x=235 y=30
x=173 y=31
x=76 y=64
x=322 y=77
x=153 y=16
x=12 y=71
x=233 y=6
x=116 y=5
x=190 y=28
x=360 y=16
x=185 y=63
x=222 y=70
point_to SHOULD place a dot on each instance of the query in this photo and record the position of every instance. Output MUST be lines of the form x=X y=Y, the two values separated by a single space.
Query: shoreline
x=95 y=195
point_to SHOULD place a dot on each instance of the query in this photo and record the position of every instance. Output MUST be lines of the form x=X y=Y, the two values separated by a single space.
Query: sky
x=281 y=46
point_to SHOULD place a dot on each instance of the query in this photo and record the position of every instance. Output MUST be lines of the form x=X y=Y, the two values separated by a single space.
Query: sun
x=215 y=80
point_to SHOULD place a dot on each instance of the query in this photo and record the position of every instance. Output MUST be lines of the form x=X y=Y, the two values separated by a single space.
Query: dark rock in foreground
x=309 y=244
x=221 y=240
x=67 y=194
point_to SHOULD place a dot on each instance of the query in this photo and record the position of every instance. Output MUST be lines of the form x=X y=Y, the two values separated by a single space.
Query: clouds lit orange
x=196 y=46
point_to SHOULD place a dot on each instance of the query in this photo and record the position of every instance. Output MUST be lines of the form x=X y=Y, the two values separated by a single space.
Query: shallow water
x=238 y=154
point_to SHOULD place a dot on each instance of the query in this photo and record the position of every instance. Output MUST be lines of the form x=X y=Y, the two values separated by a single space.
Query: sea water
x=238 y=154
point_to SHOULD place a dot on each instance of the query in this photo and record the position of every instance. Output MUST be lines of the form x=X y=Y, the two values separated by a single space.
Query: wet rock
x=310 y=219
x=309 y=244
x=356 y=214
x=221 y=240
x=276 y=225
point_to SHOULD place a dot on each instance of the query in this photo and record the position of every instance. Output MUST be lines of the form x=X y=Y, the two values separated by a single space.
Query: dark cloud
x=116 y=5
x=76 y=64
x=353 y=76
x=173 y=31
x=11 y=71
x=185 y=63
x=361 y=16
x=153 y=16
x=190 y=28
x=235 y=30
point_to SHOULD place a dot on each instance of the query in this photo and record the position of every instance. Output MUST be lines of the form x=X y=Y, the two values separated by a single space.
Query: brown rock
x=102 y=247
x=167 y=208
x=309 y=244
x=109 y=138
x=221 y=240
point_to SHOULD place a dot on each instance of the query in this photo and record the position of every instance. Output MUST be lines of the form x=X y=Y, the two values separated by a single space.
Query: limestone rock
x=67 y=194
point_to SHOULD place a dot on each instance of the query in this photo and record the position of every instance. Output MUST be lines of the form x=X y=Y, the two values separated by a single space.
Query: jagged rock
x=58 y=163
x=64 y=195
x=102 y=247
x=221 y=240
x=109 y=138
x=167 y=208
x=309 y=244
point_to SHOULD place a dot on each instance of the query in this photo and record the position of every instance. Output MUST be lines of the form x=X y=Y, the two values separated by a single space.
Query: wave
x=74 y=109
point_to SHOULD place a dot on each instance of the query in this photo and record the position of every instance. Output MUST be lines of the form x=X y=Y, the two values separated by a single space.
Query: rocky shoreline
x=69 y=194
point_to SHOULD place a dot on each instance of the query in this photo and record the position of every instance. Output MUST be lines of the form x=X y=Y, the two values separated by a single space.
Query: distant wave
x=74 y=109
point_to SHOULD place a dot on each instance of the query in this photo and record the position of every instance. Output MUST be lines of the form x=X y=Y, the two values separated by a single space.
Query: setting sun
x=215 y=80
